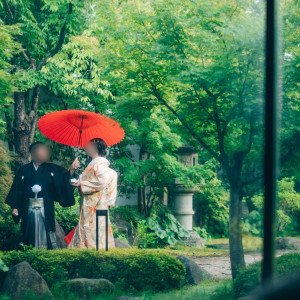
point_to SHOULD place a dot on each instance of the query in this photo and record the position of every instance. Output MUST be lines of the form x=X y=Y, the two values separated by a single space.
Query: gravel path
x=219 y=266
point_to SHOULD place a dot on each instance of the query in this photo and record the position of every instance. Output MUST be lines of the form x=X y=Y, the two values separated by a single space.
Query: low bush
x=248 y=278
x=212 y=208
x=128 y=212
x=9 y=232
x=134 y=269
x=203 y=234
x=288 y=210
x=159 y=230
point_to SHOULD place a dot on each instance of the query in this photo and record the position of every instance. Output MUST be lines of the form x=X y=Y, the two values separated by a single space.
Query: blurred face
x=90 y=149
x=40 y=154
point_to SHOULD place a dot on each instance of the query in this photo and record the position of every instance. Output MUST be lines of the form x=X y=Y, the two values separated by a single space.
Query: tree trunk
x=9 y=131
x=235 y=232
x=21 y=129
x=33 y=113
x=141 y=200
x=141 y=190
x=234 y=174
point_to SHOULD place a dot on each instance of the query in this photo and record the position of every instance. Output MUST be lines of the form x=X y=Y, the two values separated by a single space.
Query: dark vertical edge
x=97 y=231
x=271 y=138
x=106 y=233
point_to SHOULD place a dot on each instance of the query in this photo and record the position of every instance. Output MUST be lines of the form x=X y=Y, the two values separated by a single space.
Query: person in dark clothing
x=36 y=186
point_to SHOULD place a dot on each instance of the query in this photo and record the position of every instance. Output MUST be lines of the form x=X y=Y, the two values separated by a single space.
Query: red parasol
x=77 y=127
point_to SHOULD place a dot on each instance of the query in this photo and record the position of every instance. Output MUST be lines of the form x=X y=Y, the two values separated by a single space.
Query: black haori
x=38 y=220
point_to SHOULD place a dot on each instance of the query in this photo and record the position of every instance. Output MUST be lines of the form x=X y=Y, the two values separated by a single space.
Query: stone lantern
x=182 y=197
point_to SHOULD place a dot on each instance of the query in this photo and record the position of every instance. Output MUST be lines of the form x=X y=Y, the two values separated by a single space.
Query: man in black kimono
x=36 y=187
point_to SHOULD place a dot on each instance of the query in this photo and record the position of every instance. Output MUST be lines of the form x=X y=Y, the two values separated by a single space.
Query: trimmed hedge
x=250 y=277
x=140 y=270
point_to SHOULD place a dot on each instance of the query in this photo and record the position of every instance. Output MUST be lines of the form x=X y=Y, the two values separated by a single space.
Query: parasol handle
x=79 y=139
x=77 y=151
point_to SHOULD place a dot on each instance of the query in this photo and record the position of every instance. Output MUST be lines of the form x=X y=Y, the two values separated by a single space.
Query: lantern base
x=194 y=240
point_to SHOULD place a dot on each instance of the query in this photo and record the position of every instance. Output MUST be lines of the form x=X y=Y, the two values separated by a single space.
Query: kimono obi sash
x=36 y=203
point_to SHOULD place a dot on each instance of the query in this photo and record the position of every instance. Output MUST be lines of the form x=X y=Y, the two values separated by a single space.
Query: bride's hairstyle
x=101 y=146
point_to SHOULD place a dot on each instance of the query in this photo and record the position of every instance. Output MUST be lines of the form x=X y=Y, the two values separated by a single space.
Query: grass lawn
x=250 y=243
x=191 y=251
x=207 y=290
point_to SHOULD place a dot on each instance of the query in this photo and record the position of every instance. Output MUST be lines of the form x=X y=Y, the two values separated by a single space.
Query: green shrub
x=224 y=291
x=3 y=269
x=128 y=212
x=67 y=217
x=158 y=230
x=211 y=205
x=167 y=230
x=253 y=223
x=144 y=238
x=9 y=231
x=249 y=277
x=288 y=210
x=166 y=227
x=129 y=269
x=202 y=233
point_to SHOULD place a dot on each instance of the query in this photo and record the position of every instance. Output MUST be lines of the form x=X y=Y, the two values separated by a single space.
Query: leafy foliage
x=203 y=233
x=160 y=229
x=139 y=270
x=3 y=266
x=288 y=209
x=192 y=62
x=249 y=278
x=290 y=132
x=75 y=73
x=9 y=231
x=67 y=217
x=128 y=212
x=8 y=48
x=211 y=207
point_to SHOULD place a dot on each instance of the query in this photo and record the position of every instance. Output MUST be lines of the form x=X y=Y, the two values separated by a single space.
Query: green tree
x=75 y=75
x=193 y=60
x=288 y=207
x=8 y=48
x=290 y=133
x=157 y=165
x=44 y=27
x=211 y=208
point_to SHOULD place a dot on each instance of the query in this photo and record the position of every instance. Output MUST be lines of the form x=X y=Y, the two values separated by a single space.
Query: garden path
x=219 y=266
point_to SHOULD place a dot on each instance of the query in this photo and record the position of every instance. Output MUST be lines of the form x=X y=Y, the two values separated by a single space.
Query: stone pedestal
x=194 y=240
x=182 y=208
x=182 y=204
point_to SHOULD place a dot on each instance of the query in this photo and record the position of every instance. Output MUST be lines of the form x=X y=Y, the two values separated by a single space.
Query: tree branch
x=182 y=121
x=203 y=107
x=27 y=58
x=60 y=42
x=10 y=12
x=220 y=131
x=33 y=112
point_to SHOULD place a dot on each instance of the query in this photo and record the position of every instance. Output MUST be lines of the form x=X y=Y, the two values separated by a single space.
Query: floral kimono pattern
x=98 y=191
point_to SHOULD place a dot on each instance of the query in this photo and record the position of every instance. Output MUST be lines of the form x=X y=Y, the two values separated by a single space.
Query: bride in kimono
x=98 y=188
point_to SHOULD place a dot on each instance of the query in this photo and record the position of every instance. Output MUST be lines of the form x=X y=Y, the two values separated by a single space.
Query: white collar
x=34 y=166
